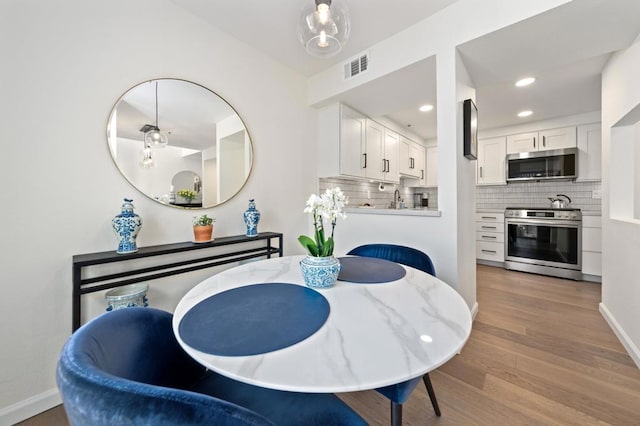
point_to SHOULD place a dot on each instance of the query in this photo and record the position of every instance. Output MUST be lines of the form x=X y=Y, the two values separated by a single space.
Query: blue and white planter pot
x=251 y=218
x=127 y=296
x=320 y=272
x=126 y=225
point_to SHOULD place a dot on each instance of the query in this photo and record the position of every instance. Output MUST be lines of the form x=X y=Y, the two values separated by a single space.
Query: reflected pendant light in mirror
x=153 y=135
x=208 y=140
x=323 y=27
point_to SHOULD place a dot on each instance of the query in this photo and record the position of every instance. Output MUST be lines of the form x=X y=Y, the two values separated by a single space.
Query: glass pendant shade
x=323 y=27
x=156 y=138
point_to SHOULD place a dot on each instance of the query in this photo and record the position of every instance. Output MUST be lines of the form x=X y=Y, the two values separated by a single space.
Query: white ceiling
x=565 y=48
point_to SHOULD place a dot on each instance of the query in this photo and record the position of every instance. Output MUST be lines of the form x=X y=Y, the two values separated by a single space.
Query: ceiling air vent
x=356 y=66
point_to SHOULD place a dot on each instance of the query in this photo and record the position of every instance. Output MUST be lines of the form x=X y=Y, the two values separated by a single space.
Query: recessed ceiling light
x=525 y=81
x=425 y=108
x=525 y=113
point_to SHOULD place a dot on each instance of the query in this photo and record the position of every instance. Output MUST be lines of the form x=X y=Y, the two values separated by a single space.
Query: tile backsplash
x=536 y=194
x=362 y=192
x=526 y=194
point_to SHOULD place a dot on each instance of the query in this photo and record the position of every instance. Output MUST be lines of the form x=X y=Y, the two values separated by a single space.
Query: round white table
x=376 y=334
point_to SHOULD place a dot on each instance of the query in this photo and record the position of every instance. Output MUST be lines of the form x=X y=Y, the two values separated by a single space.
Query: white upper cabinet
x=374 y=162
x=390 y=156
x=590 y=152
x=564 y=137
x=353 y=145
x=491 y=160
x=523 y=142
x=352 y=142
x=411 y=158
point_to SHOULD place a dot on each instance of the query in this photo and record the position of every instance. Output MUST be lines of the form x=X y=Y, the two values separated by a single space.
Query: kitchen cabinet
x=590 y=152
x=352 y=142
x=391 y=156
x=491 y=159
x=544 y=140
x=431 y=173
x=412 y=158
x=352 y=145
x=591 y=247
x=490 y=236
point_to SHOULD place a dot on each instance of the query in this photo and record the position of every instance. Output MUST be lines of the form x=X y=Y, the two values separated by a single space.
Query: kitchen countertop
x=394 y=212
x=584 y=212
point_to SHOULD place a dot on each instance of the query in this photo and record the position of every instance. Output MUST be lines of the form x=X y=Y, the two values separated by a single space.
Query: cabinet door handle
x=544 y=141
x=480 y=171
x=365 y=160
x=388 y=166
x=489 y=251
x=384 y=165
x=422 y=173
x=534 y=142
x=488 y=227
x=413 y=164
x=491 y=237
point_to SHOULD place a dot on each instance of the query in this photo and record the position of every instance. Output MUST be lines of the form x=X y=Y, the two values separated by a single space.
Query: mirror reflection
x=179 y=143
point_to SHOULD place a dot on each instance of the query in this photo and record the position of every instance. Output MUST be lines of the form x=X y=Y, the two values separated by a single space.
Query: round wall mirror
x=179 y=143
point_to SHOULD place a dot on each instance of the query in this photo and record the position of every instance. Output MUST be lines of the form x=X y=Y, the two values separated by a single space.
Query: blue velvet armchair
x=126 y=368
x=399 y=393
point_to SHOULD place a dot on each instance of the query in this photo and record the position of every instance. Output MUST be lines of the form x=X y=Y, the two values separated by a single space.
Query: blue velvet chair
x=399 y=393
x=126 y=368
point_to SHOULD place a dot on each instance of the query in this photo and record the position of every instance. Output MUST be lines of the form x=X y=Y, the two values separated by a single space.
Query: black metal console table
x=82 y=285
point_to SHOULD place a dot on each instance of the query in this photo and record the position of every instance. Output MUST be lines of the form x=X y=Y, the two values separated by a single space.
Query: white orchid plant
x=328 y=206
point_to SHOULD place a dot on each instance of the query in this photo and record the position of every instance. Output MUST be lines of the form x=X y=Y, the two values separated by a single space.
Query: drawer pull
x=489 y=251
x=490 y=217
x=489 y=227
x=489 y=236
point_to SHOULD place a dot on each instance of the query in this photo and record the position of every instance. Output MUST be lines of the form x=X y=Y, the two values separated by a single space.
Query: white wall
x=620 y=236
x=64 y=65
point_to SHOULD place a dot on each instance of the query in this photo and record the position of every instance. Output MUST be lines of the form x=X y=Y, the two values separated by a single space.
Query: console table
x=136 y=274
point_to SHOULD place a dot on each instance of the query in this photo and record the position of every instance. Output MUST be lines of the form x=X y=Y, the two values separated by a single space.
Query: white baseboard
x=631 y=348
x=474 y=311
x=29 y=407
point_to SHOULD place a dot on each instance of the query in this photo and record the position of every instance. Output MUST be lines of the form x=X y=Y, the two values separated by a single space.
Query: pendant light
x=154 y=136
x=324 y=27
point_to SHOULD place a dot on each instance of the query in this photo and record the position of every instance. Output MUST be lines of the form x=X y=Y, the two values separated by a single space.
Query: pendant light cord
x=157 y=105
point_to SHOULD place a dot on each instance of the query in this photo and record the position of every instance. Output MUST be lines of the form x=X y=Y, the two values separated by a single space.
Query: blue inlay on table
x=369 y=270
x=254 y=319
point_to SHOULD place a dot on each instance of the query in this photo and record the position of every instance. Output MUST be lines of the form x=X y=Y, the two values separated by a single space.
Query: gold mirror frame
x=206 y=136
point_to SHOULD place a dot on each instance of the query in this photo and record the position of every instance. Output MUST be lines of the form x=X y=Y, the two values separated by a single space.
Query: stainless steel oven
x=544 y=241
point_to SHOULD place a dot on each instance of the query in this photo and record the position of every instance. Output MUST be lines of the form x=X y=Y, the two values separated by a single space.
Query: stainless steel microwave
x=542 y=165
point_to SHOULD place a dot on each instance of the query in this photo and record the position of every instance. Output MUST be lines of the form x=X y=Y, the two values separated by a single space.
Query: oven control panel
x=544 y=214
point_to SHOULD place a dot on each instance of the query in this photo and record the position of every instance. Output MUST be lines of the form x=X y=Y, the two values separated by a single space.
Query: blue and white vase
x=320 y=272
x=126 y=226
x=251 y=218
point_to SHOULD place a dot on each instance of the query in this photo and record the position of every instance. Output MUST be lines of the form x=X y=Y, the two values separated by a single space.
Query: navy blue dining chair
x=399 y=393
x=126 y=367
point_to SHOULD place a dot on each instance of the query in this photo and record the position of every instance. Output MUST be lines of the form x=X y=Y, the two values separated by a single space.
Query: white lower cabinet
x=592 y=245
x=490 y=236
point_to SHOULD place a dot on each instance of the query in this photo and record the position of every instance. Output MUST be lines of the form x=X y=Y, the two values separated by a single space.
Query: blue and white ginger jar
x=251 y=218
x=320 y=272
x=126 y=225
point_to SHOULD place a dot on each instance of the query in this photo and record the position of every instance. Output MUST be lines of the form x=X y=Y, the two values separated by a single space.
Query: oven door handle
x=554 y=223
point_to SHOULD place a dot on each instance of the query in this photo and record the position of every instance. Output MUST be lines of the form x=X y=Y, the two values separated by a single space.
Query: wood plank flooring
x=540 y=353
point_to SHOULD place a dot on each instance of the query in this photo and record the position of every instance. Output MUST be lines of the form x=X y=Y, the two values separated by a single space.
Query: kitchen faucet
x=396 y=199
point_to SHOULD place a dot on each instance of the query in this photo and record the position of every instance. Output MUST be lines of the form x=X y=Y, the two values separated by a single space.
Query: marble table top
x=376 y=335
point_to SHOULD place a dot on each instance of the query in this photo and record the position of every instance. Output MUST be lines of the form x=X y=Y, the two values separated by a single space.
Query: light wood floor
x=540 y=353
